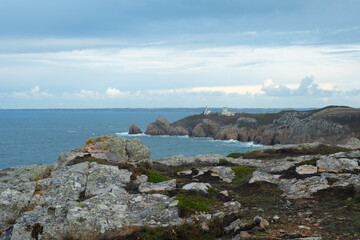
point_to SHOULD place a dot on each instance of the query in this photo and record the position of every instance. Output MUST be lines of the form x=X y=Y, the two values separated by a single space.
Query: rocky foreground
x=109 y=189
x=329 y=125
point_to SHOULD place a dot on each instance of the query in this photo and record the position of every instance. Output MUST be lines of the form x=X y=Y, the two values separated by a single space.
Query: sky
x=183 y=53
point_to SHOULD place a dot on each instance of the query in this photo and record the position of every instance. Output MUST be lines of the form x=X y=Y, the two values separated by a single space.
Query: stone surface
x=82 y=201
x=111 y=149
x=232 y=206
x=181 y=160
x=233 y=225
x=156 y=187
x=332 y=164
x=306 y=169
x=142 y=178
x=197 y=186
x=224 y=173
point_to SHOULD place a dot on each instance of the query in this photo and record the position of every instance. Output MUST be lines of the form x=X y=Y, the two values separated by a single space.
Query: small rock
x=304 y=227
x=260 y=210
x=201 y=171
x=276 y=217
x=197 y=186
x=162 y=186
x=142 y=178
x=233 y=225
x=185 y=172
x=237 y=237
x=263 y=223
x=306 y=169
x=244 y=234
x=294 y=234
x=233 y=206
x=225 y=193
x=205 y=226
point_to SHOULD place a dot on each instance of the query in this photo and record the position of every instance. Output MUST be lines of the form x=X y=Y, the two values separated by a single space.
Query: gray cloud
x=307 y=87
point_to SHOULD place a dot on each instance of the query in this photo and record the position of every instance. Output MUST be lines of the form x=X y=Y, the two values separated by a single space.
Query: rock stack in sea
x=109 y=189
x=134 y=129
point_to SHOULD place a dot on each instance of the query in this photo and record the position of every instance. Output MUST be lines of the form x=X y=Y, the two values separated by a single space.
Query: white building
x=206 y=111
x=225 y=112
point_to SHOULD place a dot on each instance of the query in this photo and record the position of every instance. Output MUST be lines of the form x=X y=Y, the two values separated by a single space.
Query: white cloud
x=33 y=92
x=114 y=93
x=83 y=93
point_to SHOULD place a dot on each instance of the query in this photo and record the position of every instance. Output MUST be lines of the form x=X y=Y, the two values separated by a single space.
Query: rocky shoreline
x=331 y=125
x=109 y=189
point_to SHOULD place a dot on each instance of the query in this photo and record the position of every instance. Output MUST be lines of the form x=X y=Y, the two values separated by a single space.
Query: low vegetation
x=195 y=203
x=156 y=177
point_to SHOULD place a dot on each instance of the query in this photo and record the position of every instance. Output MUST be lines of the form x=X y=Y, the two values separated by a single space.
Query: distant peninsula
x=332 y=125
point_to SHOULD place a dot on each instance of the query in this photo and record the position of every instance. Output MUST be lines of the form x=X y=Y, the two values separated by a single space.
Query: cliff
x=328 y=125
x=108 y=189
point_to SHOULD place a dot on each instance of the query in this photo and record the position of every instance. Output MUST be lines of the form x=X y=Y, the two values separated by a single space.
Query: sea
x=39 y=136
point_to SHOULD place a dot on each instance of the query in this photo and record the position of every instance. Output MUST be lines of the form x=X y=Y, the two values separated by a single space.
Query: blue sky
x=113 y=53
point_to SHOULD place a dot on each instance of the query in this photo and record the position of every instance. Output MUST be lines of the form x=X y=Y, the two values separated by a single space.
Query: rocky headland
x=331 y=125
x=110 y=189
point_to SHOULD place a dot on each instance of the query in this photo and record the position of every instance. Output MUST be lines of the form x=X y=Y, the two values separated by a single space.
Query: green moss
x=242 y=173
x=212 y=190
x=234 y=155
x=156 y=177
x=195 y=203
x=223 y=162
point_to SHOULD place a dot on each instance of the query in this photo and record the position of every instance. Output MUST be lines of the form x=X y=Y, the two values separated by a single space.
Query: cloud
x=307 y=87
x=33 y=92
x=114 y=93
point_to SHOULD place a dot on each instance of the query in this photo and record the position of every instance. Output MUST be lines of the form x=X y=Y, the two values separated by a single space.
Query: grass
x=242 y=173
x=156 y=177
x=271 y=153
x=181 y=232
x=223 y=162
x=195 y=203
x=234 y=155
x=212 y=190
x=343 y=206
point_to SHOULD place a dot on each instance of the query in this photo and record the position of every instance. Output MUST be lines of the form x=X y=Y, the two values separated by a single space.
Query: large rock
x=82 y=201
x=160 y=127
x=134 y=129
x=332 y=164
x=207 y=128
x=111 y=149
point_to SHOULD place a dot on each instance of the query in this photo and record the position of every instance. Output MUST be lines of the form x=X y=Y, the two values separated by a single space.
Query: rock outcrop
x=332 y=125
x=160 y=127
x=267 y=192
x=134 y=129
x=110 y=149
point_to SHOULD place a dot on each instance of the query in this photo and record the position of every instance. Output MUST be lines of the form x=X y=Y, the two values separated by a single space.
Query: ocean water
x=32 y=136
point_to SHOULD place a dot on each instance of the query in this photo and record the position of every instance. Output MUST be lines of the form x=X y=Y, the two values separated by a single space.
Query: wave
x=210 y=139
x=131 y=135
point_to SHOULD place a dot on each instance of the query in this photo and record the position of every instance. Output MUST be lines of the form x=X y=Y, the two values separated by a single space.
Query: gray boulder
x=111 y=149
x=81 y=201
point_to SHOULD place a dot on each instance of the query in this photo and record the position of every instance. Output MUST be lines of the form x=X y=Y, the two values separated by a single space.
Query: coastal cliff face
x=329 y=125
x=301 y=191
